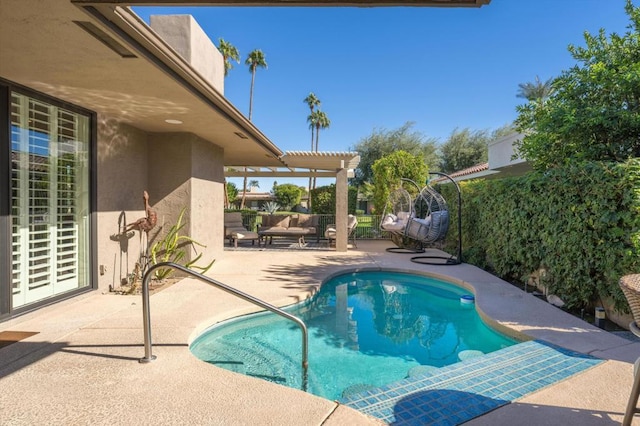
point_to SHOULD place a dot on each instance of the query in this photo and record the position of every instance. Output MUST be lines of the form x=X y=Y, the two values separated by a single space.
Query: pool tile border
x=457 y=393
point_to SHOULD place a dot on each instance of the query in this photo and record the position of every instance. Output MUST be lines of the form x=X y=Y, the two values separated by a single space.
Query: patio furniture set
x=293 y=226
x=296 y=226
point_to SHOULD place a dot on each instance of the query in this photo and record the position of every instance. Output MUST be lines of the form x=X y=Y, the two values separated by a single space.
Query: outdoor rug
x=285 y=245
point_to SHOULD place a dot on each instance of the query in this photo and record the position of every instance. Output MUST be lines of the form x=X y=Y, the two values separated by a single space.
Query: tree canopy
x=232 y=192
x=594 y=112
x=229 y=52
x=320 y=120
x=287 y=195
x=388 y=173
x=256 y=59
x=384 y=142
x=466 y=148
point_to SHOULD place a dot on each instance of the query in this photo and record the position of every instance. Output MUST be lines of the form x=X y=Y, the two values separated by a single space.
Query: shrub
x=271 y=207
x=389 y=171
x=323 y=199
x=173 y=248
x=581 y=223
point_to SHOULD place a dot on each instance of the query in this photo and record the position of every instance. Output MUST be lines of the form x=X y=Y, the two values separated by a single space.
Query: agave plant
x=172 y=249
x=271 y=207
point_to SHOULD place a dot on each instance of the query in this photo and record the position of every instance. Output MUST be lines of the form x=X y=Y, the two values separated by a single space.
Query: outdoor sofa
x=293 y=225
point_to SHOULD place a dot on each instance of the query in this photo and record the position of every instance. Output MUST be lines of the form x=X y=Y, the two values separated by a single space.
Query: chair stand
x=436 y=260
x=630 y=285
x=403 y=250
x=632 y=404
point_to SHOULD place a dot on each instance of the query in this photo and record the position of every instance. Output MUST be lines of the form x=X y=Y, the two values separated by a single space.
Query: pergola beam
x=279 y=173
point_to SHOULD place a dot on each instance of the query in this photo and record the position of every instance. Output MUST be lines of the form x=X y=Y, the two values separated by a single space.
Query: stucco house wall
x=186 y=37
x=179 y=170
x=187 y=172
x=121 y=177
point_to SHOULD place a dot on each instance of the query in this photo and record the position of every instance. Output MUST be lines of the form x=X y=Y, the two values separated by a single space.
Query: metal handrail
x=146 y=312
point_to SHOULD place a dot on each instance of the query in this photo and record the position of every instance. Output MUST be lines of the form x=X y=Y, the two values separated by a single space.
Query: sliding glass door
x=49 y=203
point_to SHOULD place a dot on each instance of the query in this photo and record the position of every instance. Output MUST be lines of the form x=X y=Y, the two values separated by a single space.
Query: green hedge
x=323 y=199
x=580 y=223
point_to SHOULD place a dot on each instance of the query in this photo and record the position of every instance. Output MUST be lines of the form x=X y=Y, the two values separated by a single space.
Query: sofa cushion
x=229 y=230
x=273 y=230
x=307 y=220
x=404 y=215
x=244 y=235
x=233 y=222
x=280 y=221
x=233 y=219
x=307 y=230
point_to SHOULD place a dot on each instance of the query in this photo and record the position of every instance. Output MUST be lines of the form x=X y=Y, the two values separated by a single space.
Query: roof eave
x=127 y=25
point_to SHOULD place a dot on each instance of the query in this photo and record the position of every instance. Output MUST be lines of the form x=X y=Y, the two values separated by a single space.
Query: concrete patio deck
x=82 y=365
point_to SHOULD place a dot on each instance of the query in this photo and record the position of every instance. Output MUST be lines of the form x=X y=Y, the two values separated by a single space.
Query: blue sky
x=377 y=68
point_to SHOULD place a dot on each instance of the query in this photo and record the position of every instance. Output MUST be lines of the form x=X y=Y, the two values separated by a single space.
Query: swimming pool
x=366 y=329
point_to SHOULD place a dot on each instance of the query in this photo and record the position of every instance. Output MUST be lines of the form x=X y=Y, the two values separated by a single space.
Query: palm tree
x=255 y=60
x=229 y=52
x=321 y=122
x=244 y=189
x=313 y=102
x=226 y=194
x=536 y=91
x=312 y=119
x=252 y=184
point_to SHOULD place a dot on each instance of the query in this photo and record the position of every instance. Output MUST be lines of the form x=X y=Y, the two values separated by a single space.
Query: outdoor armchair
x=331 y=232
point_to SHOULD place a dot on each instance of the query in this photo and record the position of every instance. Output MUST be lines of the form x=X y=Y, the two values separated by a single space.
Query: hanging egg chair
x=399 y=209
x=431 y=223
x=415 y=223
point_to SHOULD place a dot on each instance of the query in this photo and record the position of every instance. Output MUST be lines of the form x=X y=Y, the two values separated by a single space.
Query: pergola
x=300 y=164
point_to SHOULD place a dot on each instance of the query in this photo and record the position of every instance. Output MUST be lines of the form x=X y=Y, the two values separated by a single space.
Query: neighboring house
x=474 y=172
x=254 y=200
x=502 y=162
x=96 y=107
x=503 y=158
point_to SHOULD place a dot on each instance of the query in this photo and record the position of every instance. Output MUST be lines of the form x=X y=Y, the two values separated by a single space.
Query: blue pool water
x=366 y=329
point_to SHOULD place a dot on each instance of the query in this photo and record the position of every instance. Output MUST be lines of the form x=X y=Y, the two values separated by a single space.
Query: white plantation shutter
x=18 y=193
x=49 y=199
x=67 y=213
